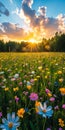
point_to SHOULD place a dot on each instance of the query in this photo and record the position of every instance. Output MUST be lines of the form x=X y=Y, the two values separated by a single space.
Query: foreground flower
x=33 y=96
x=21 y=112
x=10 y=123
x=44 y=110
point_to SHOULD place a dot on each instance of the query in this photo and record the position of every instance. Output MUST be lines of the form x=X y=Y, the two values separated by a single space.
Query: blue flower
x=44 y=110
x=11 y=123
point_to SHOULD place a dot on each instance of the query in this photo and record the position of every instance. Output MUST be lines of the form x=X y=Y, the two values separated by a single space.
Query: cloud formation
x=3 y=9
x=38 y=25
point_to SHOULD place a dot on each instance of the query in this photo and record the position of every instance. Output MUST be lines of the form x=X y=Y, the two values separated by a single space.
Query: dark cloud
x=3 y=9
x=42 y=11
x=28 y=2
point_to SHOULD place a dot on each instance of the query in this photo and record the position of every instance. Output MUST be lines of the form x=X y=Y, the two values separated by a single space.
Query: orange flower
x=61 y=122
x=62 y=90
x=29 y=87
x=21 y=112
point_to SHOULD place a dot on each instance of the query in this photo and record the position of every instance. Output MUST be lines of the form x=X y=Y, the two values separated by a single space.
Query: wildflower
x=61 y=122
x=52 y=99
x=60 y=128
x=61 y=80
x=49 y=94
x=59 y=72
x=40 y=67
x=21 y=112
x=47 y=90
x=48 y=129
x=16 y=99
x=6 y=89
x=62 y=90
x=11 y=122
x=56 y=107
x=28 y=87
x=63 y=106
x=32 y=80
x=15 y=89
x=44 y=110
x=0 y=114
x=25 y=93
x=35 y=79
x=46 y=76
x=16 y=76
x=33 y=96
x=20 y=83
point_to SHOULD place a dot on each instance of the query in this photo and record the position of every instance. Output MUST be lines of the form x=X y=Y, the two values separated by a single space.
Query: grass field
x=32 y=87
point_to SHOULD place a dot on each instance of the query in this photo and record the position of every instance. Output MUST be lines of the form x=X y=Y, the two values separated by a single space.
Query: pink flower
x=56 y=107
x=52 y=99
x=33 y=96
x=63 y=106
x=16 y=99
x=60 y=128
x=0 y=114
x=47 y=90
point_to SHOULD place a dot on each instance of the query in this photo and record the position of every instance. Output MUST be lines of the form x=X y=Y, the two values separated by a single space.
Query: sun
x=33 y=41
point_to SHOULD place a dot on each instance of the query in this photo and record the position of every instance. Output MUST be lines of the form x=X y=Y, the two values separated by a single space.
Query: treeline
x=55 y=44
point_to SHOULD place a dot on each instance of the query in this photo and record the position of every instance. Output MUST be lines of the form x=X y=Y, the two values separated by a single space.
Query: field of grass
x=32 y=91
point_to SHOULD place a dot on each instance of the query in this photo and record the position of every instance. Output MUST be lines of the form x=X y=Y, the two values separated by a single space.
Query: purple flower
x=52 y=99
x=48 y=129
x=0 y=114
x=56 y=107
x=63 y=106
x=33 y=96
x=60 y=128
x=16 y=99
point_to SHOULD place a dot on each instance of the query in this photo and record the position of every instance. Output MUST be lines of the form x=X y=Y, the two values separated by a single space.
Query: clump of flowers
x=44 y=110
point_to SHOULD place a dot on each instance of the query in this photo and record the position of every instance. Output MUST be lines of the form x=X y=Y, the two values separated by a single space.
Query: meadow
x=32 y=91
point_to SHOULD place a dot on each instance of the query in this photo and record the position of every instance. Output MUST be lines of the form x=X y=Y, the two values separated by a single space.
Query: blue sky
x=30 y=18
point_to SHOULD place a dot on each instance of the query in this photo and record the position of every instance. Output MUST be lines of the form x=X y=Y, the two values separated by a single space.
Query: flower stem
x=44 y=123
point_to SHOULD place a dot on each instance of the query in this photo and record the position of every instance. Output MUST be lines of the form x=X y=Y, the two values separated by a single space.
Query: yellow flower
x=29 y=87
x=38 y=76
x=61 y=122
x=40 y=67
x=61 y=80
x=6 y=89
x=15 y=89
x=46 y=77
x=59 y=72
x=62 y=90
x=35 y=79
x=21 y=112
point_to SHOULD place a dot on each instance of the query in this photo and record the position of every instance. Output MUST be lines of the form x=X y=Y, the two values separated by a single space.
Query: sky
x=31 y=20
